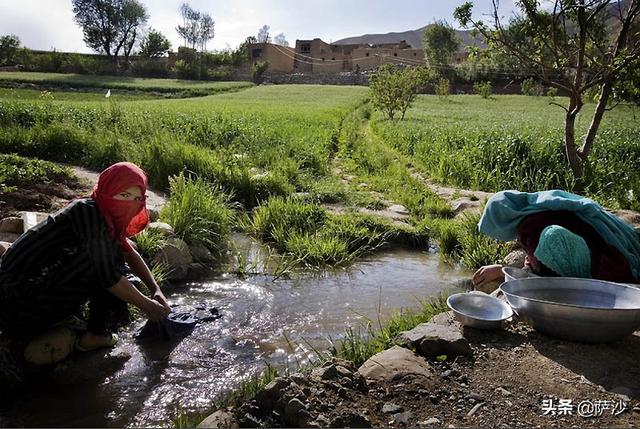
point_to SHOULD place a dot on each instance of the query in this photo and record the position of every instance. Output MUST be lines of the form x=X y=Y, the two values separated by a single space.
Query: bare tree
x=263 y=35
x=281 y=40
x=206 y=31
x=190 y=28
x=572 y=45
x=197 y=27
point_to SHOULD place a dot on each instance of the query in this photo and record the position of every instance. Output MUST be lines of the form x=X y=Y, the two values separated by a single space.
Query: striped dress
x=56 y=267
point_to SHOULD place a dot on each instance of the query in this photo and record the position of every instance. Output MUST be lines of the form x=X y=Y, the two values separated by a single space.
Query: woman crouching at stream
x=77 y=255
x=563 y=234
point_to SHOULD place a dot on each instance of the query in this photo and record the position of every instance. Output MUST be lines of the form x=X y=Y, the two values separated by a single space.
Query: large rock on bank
x=395 y=363
x=433 y=339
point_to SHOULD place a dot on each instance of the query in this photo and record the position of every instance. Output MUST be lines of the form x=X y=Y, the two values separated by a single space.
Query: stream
x=264 y=321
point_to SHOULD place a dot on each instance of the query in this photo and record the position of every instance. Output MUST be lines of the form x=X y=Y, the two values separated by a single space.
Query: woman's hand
x=160 y=298
x=488 y=274
x=154 y=310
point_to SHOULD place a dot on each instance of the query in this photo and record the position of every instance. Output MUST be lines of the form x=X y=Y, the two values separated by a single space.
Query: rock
x=200 y=253
x=31 y=219
x=154 y=214
x=503 y=391
x=391 y=408
x=352 y=420
x=431 y=339
x=177 y=256
x=13 y=225
x=446 y=319
x=430 y=422
x=622 y=392
x=403 y=418
x=325 y=373
x=164 y=228
x=515 y=259
x=293 y=411
x=9 y=237
x=343 y=372
x=273 y=389
x=397 y=208
x=393 y=363
x=4 y=245
x=220 y=419
x=322 y=421
x=475 y=409
x=463 y=205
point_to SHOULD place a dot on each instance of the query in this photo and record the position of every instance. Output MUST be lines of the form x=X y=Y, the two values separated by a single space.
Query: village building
x=317 y=56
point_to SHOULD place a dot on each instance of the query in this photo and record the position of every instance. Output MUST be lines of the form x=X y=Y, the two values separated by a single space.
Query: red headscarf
x=124 y=218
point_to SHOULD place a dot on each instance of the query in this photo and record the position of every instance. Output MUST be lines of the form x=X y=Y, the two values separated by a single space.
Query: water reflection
x=145 y=384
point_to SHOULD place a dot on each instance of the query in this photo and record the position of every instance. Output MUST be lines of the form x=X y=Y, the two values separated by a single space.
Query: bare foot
x=89 y=341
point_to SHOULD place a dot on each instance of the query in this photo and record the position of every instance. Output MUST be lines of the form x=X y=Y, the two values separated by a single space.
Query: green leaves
x=462 y=14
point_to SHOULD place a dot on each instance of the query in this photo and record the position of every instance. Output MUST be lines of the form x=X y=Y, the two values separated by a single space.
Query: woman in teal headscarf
x=563 y=234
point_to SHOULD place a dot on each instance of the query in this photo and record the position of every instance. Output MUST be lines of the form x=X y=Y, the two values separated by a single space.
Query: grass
x=198 y=213
x=24 y=94
x=312 y=236
x=173 y=86
x=515 y=142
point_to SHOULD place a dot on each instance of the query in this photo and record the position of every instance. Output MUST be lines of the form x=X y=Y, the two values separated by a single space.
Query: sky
x=48 y=24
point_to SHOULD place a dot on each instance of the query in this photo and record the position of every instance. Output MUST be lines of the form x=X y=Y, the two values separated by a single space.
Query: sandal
x=113 y=340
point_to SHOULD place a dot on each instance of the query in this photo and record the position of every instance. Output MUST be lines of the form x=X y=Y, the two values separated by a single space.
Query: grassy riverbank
x=320 y=166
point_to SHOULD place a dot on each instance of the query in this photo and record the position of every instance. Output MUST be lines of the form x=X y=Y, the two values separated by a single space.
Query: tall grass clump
x=198 y=213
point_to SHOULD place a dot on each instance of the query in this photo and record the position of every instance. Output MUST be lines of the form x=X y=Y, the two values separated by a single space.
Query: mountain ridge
x=412 y=37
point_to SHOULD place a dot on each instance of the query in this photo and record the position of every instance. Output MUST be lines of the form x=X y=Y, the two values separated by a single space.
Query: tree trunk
x=601 y=107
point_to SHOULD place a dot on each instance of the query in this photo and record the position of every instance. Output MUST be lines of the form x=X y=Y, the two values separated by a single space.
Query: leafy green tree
x=9 y=45
x=110 y=26
x=154 y=44
x=571 y=45
x=440 y=42
x=394 y=89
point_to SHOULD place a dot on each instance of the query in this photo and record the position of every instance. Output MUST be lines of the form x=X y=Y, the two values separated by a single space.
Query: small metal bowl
x=479 y=310
x=513 y=273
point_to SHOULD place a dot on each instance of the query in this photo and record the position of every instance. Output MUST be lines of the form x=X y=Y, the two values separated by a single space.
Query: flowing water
x=263 y=322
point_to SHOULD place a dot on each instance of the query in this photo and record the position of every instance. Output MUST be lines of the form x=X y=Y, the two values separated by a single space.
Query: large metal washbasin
x=585 y=310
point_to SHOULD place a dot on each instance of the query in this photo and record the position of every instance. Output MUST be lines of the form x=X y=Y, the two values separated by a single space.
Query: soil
x=41 y=197
x=504 y=384
x=52 y=196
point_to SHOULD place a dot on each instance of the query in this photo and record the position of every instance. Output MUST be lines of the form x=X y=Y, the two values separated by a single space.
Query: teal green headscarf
x=566 y=253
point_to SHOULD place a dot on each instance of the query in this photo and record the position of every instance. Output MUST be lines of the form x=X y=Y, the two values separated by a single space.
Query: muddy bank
x=512 y=377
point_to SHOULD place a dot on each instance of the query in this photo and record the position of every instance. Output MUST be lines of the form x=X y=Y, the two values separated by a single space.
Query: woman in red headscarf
x=77 y=255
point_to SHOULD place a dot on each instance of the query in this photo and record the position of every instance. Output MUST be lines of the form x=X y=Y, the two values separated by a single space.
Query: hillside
x=412 y=37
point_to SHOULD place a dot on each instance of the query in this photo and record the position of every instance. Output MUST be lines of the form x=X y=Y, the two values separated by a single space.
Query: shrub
x=258 y=70
x=532 y=88
x=393 y=89
x=443 y=89
x=150 y=67
x=483 y=89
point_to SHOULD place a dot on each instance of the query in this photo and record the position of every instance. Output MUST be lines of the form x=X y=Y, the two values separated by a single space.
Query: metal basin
x=479 y=310
x=585 y=310
x=512 y=273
